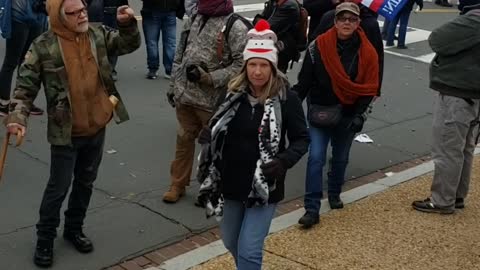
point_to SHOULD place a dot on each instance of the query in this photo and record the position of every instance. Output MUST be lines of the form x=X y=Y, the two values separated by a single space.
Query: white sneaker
x=166 y=76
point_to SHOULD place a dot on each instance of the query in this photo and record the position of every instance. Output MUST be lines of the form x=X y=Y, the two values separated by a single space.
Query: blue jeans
x=110 y=20
x=153 y=22
x=401 y=17
x=244 y=231
x=386 y=23
x=341 y=140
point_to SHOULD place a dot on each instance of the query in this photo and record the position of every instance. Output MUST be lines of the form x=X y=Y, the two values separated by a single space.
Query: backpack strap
x=224 y=35
x=192 y=20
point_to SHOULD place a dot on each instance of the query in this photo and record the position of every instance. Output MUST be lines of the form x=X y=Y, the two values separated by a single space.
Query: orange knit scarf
x=366 y=82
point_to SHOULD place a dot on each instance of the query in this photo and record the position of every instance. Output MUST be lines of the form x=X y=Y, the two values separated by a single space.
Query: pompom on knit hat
x=261 y=43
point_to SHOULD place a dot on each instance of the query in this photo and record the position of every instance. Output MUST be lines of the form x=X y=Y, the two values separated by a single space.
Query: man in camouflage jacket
x=71 y=61
x=199 y=80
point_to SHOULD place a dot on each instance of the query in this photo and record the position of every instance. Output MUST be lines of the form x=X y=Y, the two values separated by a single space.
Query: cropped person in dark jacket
x=283 y=17
x=316 y=9
x=369 y=24
x=457 y=104
x=401 y=17
x=245 y=156
x=28 y=20
x=105 y=12
x=159 y=18
x=339 y=72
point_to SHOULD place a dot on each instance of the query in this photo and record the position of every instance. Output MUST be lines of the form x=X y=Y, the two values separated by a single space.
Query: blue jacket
x=6 y=18
x=24 y=11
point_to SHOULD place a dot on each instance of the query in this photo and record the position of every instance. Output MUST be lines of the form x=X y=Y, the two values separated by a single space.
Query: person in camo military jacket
x=72 y=63
x=199 y=80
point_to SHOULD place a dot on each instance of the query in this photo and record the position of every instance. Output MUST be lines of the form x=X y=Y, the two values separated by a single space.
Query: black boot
x=79 y=241
x=446 y=4
x=459 y=203
x=335 y=202
x=309 y=219
x=43 y=253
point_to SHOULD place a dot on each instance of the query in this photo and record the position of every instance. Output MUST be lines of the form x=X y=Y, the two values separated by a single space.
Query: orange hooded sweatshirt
x=91 y=108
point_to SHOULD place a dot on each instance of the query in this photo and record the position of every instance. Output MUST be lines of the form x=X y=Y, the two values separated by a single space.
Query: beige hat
x=347 y=6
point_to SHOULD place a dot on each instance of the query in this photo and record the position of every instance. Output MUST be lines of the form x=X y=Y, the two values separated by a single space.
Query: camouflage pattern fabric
x=44 y=64
x=201 y=50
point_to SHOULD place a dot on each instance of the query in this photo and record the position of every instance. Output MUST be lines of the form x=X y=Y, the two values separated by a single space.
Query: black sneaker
x=309 y=219
x=428 y=207
x=459 y=203
x=36 y=111
x=4 y=110
x=152 y=75
x=43 y=253
x=335 y=202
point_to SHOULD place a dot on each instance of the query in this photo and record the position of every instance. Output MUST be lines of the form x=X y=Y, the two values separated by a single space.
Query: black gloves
x=198 y=74
x=356 y=125
x=171 y=98
x=274 y=169
x=193 y=74
x=205 y=135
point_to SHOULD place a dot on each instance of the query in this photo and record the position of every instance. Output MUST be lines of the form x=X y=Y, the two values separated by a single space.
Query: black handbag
x=321 y=116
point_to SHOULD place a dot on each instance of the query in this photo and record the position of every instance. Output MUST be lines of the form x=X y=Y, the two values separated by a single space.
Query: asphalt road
x=126 y=215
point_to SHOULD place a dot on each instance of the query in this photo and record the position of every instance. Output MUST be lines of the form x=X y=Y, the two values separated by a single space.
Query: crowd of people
x=230 y=94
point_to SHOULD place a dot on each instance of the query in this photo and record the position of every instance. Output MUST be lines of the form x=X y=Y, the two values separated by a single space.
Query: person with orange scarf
x=340 y=78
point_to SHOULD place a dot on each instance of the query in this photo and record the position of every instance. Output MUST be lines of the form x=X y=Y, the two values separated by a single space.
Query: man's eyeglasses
x=77 y=13
x=350 y=19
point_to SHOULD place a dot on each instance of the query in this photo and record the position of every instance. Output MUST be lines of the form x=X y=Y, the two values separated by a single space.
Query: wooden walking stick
x=3 y=154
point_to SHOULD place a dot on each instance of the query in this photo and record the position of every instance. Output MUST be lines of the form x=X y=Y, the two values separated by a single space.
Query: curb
x=216 y=248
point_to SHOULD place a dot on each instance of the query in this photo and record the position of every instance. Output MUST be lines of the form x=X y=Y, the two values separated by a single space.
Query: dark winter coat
x=241 y=149
x=369 y=24
x=283 y=21
x=316 y=9
x=456 y=67
x=314 y=81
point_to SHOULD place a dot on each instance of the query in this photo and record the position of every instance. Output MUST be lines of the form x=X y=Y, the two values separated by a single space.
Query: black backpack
x=301 y=34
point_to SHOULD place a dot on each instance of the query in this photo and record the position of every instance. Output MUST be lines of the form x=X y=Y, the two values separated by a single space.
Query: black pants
x=16 y=48
x=110 y=20
x=80 y=160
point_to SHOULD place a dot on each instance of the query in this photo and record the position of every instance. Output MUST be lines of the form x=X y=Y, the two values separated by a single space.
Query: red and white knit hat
x=261 y=43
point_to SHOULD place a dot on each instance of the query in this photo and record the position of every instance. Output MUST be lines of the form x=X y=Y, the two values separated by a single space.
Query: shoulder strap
x=222 y=36
x=192 y=20
x=311 y=50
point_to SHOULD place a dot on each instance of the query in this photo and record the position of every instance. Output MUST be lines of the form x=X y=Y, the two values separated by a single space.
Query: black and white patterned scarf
x=211 y=154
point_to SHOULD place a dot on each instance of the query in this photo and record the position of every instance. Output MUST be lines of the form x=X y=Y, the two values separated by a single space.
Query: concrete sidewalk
x=378 y=229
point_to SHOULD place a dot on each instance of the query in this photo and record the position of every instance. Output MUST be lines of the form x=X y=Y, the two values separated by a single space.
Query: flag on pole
x=387 y=8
